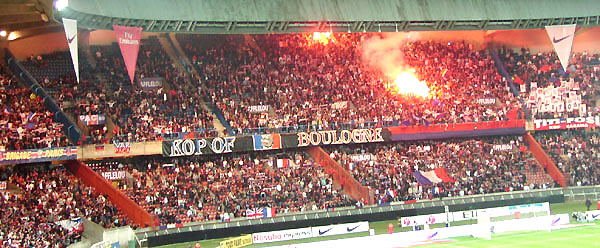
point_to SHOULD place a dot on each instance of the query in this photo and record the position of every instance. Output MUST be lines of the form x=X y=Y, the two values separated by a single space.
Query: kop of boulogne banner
x=567 y=123
x=151 y=83
x=38 y=155
x=562 y=40
x=129 y=42
x=71 y=32
x=219 y=145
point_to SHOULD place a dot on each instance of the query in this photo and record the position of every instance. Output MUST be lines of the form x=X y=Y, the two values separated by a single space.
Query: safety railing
x=593 y=192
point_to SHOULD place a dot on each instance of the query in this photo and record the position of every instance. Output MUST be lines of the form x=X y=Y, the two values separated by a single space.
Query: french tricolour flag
x=283 y=163
x=268 y=212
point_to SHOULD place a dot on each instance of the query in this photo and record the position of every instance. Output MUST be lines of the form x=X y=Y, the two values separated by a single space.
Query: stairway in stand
x=537 y=176
x=216 y=122
x=341 y=176
x=175 y=53
x=90 y=178
x=178 y=50
x=545 y=160
x=163 y=39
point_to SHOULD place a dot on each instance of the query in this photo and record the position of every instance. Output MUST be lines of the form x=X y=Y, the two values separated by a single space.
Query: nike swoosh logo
x=559 y=40
x=594 y=216
x=323 y=232
x=351 y=229
x=72 y=38
x=432 y=235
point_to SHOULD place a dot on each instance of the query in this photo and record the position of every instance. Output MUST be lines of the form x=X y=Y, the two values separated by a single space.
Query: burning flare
x=322 y=38
x=408 y=84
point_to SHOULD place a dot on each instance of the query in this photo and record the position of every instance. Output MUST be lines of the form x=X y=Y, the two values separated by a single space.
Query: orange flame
x=406 y=83
x=322 y=37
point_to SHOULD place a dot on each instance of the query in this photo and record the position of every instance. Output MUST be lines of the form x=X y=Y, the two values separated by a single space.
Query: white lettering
x=217 y=145
x=129 y=41
x=176 y=149
x=200 y=144
x=303 y=139
x=188 y=147
x=342 y=137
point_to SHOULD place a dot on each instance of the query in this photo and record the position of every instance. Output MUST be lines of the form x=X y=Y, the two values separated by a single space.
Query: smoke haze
x=383 y=52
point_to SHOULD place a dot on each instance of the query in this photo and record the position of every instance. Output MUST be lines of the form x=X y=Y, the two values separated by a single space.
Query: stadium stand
x=312 y=123
x=26 y=124
x=205 y=188
x=240 y=76
x=432 y=169
x=552 y=92
x=139 y=115
x=575 y=152
x=235 y=76
x=43 y=196
x=50 y=67
x=147 y=115
x=305 y=86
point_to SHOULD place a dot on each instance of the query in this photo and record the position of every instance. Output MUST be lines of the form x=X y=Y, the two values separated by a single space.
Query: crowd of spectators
x=306 y=85
x=209 y=188
x=301 y=82
x=25 y=123
x=138 y=114
x=147 y=114
x=478 y=166
x=45 y=195
x=544 y=70
x=302 y=85
x=55 y=74
x=575 y=152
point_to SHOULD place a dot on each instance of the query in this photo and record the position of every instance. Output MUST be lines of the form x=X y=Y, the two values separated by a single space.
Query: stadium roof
x=28 y=17
x=271 y=16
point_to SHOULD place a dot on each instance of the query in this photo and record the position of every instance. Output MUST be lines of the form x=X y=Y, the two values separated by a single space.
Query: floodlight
x=61 y=4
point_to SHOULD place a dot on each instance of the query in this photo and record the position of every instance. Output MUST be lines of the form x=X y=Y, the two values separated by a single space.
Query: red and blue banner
x=38 y=155
x=189 y=146
x=267 y=141
x=91 y=120
x=471 y=129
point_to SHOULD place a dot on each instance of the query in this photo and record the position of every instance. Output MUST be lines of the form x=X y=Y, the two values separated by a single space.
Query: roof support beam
x=261 y=27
